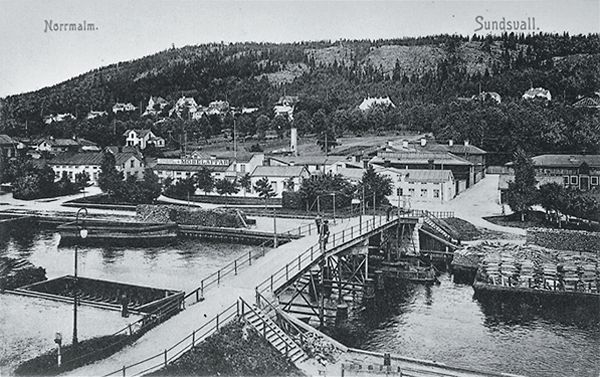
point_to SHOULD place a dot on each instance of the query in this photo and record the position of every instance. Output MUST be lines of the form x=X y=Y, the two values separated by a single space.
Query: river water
x=445 y=323
x=27 y=325
x=442 y=322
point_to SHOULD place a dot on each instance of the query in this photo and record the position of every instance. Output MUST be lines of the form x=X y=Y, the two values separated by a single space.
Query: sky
x=35 y=55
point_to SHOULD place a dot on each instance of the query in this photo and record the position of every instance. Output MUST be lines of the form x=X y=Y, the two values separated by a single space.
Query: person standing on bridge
x=325 y=233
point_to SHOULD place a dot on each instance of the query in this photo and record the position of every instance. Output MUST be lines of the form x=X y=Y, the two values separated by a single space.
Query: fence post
x=333 y=239
x=311 y=253
x=235 y=267
x=124 y=367
x=202 y=288
x=217 y=321
x=343 y=235
x=237 y=308
x=299 y=263
x=219 y=277
x=286 y=273
x=165 y=358
x=129 y=327
x=250 y=258
x=271 y=282
x=309 y=226
x=194 y=338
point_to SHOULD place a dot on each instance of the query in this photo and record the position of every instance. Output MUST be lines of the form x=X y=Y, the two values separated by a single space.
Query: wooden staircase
x=273 y=333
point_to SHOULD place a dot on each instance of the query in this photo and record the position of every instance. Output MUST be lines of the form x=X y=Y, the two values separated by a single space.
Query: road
x=480 y=200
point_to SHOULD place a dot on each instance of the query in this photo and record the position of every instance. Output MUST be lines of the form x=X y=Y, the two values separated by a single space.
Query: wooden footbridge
x=316 y=287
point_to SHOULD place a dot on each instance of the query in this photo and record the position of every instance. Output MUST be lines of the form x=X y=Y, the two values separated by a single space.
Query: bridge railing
x=233 y=267
x=162 y=358
x=308 y=256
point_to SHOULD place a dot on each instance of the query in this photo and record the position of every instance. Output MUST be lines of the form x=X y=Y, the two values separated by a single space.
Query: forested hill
x=331 y=77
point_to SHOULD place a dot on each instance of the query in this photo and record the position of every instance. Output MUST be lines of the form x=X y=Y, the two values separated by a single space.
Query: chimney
x=386 y=163
x=450 y=142
x=466 y=143
x=423 y=142
x=294 y=141
x=405 y=144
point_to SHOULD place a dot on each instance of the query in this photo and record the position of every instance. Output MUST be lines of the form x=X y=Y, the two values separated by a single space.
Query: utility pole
x=274 y=228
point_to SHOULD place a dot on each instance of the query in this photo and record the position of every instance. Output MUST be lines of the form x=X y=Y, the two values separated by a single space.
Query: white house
x=155 y=105
x=218 y=108
x=282 y=178
x=142 y=138
x=123 y=107
x=540 y=93
x=58 y=118
x=285 y=106
x=71 y=164
x=419 y=184
x=371 y=102
x=96 y=114
x=188 y=103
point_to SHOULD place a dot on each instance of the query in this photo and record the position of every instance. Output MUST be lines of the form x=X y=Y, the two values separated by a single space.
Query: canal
x=445 y=323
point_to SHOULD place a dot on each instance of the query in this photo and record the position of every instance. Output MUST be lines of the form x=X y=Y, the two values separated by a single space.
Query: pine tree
x=522 y=193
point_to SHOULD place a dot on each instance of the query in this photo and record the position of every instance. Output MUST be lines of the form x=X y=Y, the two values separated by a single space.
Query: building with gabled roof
x=538 y=93
x=419 y=184
x=54 y=146
x=588 y=102
x=8 y=146
x=313 y=164
x=142 y=138
x=370 y=102
x=70 y=164
x=282 y=178
x=123 y=107
x=463 y=170
x=182 y=103
x=580 y=172
x=93 y=114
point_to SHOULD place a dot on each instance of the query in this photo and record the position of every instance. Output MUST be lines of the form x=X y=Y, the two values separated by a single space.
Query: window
x=436 y=193
x=423 y=193
x=411 y=191
x=400 y=191
x=274 y=185
x=574 y=180
x=594 y=181
x=243 y=168
x=566 y=180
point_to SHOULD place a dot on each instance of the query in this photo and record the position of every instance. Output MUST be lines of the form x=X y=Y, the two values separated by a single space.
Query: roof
x=354 y=174
x=77 y=159
x=7 y=140
x=89 y=158
x=421 y=175
x=457 y=149
x=309 y=160
x=61 y=142
x=140 y=132
x=420 y=157
x=567 y=160
x=278 y=171
x=194 y=168
x=368 y=103
x=537 y=92
x=588 y=102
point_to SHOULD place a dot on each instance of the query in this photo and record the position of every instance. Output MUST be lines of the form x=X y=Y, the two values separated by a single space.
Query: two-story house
x=142 y=138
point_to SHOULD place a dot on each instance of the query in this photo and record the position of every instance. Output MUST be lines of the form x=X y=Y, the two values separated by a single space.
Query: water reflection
x=446 y=323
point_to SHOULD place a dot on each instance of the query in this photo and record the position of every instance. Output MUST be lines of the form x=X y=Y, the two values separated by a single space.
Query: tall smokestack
x=294 y=141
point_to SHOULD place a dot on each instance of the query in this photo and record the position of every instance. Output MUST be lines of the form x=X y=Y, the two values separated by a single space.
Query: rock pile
x=563 y=239
x=318 y=348
x=230 y=218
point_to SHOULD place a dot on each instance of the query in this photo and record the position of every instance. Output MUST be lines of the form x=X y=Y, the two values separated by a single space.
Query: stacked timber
x=508 y=266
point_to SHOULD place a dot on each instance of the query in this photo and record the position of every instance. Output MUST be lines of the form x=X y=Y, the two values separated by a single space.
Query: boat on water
x=116 y=233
